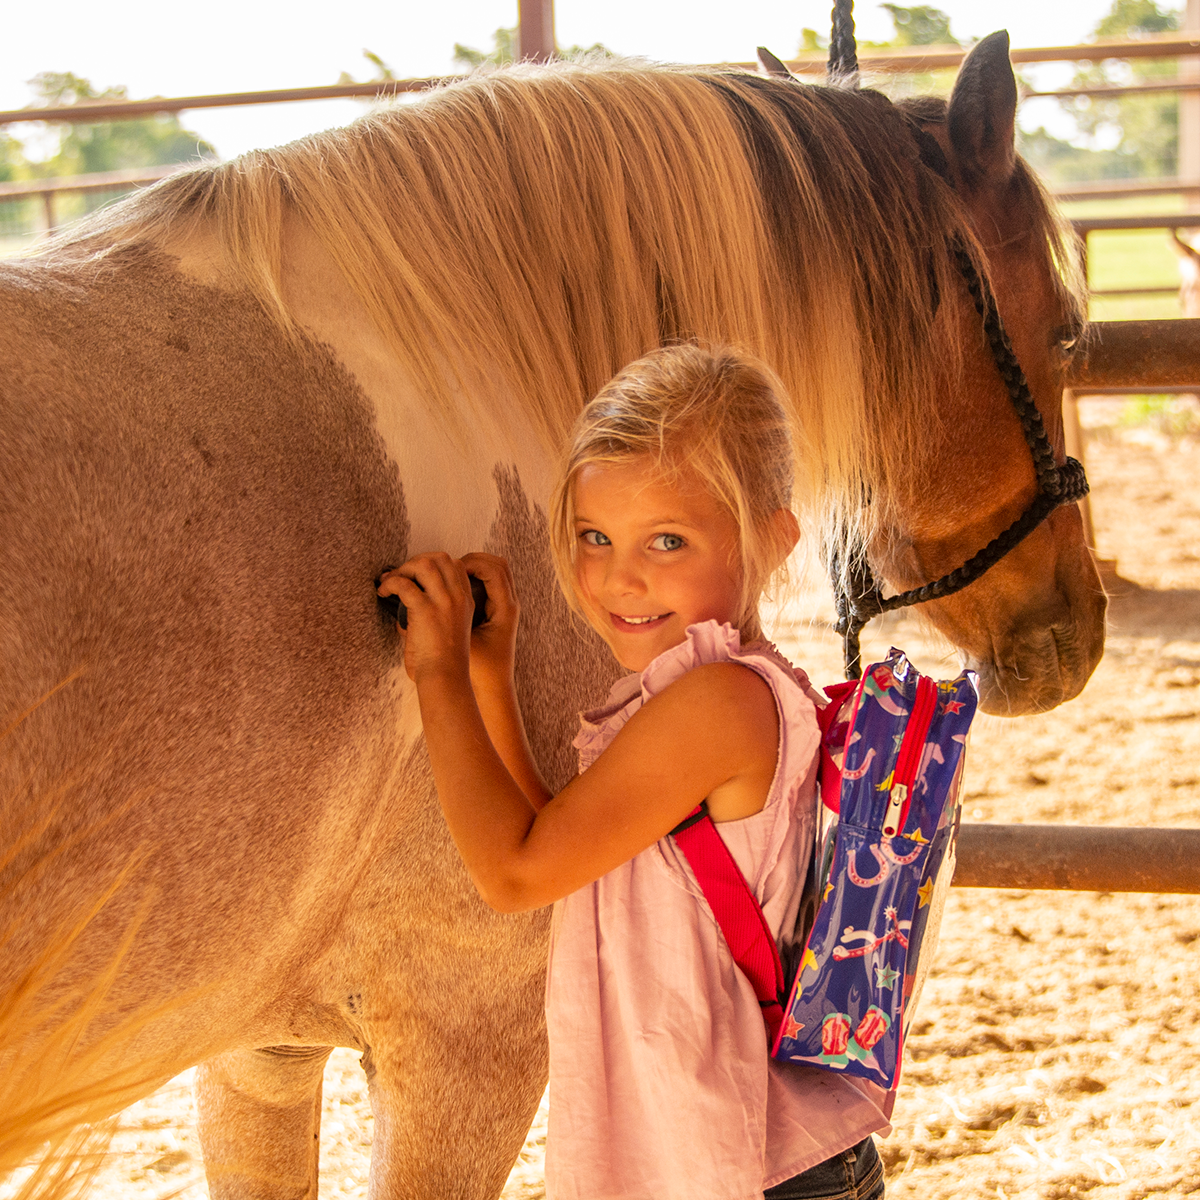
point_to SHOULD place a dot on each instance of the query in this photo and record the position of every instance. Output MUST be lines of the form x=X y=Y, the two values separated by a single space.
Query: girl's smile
x=653 y=557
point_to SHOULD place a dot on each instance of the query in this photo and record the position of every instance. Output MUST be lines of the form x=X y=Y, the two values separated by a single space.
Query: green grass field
x=1131 y=258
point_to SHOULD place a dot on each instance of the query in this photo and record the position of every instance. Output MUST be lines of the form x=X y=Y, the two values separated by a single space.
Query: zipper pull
x=896 y=801
x=908 y=760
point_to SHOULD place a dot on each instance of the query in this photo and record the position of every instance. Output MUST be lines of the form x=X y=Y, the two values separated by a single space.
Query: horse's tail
x=57 y=1106
x=67 y=1064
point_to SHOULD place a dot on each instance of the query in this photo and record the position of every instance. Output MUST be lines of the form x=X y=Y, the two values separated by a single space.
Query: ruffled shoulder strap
x=710 y=642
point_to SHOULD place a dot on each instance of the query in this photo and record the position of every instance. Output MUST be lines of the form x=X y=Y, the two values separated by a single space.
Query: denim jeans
x=854 y=1174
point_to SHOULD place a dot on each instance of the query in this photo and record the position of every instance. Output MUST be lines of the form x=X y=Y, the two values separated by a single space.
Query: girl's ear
x=787 y=531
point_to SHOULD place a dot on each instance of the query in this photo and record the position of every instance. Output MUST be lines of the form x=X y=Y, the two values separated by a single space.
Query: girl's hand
x=493 y=644
x=439 y=613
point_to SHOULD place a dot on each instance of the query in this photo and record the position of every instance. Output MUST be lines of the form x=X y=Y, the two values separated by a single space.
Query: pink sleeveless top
x=661 y=1085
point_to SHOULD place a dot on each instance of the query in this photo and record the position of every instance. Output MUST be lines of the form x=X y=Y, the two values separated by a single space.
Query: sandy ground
x=1057 y=1049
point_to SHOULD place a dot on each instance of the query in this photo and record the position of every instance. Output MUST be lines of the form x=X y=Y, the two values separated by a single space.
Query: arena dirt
x=1057 y=1049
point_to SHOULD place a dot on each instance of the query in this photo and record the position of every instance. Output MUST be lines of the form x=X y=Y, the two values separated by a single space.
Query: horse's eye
x=1066 y=340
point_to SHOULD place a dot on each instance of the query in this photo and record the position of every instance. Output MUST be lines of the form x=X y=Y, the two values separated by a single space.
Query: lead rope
x=861 y=598
x=843 y=48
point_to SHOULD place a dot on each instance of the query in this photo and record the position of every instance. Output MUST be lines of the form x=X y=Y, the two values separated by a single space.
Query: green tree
x=111 y=145
x=16 y=216
x=921 y=25
x=1142 y=132
x=1145 y=128
x=1060 y=161
x=88 y=150
x=12 y=158
x=383 y=72
x=504 y=50
x=1134 y=17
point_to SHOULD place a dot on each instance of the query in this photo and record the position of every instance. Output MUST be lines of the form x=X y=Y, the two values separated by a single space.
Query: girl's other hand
x=437 y=593
x=494 y=643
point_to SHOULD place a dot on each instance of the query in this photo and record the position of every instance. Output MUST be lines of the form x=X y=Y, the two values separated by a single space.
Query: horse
x=227 y=403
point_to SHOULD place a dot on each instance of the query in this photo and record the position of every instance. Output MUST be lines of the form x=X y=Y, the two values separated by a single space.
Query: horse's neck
x=449 y=479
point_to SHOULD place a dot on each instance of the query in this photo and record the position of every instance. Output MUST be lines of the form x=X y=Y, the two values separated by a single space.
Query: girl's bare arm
x=713 y=732
x=493 y=653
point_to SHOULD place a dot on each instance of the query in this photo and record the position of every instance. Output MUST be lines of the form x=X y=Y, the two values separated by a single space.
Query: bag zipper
x=908 y=761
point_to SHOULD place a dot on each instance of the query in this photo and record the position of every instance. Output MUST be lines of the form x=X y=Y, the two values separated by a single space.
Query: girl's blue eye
x=667 y=541
x=594 y=537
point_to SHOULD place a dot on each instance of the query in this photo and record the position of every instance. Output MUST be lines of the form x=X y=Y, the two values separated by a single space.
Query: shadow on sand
x=1172 y=614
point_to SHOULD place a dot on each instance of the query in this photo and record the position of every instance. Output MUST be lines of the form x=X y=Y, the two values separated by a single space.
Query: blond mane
x=557 y=222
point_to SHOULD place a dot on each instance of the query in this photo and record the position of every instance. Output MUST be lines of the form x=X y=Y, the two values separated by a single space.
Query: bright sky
x=162 y=49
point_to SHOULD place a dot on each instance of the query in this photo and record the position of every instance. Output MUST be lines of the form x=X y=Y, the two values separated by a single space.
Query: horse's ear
x=772 y=65
x=1184 y=249
x=983 y=113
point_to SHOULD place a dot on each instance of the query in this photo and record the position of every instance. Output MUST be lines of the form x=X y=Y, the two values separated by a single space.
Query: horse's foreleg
x=259 y=1119
x=451 y=1111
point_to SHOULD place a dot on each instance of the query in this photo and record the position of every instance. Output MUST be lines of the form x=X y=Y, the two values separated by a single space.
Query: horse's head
x=1033 y=626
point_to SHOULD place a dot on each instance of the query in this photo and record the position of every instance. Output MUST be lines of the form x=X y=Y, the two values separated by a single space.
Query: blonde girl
x=671 y=518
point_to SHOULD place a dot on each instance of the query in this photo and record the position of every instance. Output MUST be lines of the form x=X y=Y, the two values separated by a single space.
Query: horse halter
x=857 y=594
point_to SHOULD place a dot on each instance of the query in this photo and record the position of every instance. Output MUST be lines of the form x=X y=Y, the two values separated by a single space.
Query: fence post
x=1073 y=442
x=1189 y=112
x=535 y=29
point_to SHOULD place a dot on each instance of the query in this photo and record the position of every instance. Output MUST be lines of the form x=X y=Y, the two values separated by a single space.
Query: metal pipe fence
x=91 y=111
x=536 y=41
x=921 y=59
x=1119 y=356
x=1080 y=858
x=117 y=182
x=1138 y=354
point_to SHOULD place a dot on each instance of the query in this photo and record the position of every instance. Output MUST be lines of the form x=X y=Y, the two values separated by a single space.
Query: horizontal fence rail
x=1179 y=220
x=1119 y=355
x=116 y=110
x=1115 y=189
x=1145 y=355
x=917 y=59
x=1083 y=858
x=100 y=181
x=1087 y=225
x=1116 y=89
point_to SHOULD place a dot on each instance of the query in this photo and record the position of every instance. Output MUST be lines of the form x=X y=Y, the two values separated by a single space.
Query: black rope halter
x=857 y=594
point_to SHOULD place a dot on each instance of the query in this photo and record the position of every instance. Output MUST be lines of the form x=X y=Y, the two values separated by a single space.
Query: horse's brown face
x=1033 y=626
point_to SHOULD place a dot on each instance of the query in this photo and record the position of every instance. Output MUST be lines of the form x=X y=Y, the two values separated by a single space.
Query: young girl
x=671 y=517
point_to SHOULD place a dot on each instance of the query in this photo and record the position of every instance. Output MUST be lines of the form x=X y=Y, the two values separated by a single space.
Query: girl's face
x=652 y=558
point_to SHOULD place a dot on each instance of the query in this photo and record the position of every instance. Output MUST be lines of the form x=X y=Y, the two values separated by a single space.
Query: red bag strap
x=833 y=740
x=738 y=913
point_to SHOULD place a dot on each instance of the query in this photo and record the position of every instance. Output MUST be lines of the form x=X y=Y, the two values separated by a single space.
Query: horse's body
x=226 y=411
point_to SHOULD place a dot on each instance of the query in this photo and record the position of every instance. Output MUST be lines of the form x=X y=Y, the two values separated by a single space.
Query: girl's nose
x=623 y=578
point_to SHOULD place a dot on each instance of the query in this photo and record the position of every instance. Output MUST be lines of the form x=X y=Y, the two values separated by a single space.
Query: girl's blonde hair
x=711 y=413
